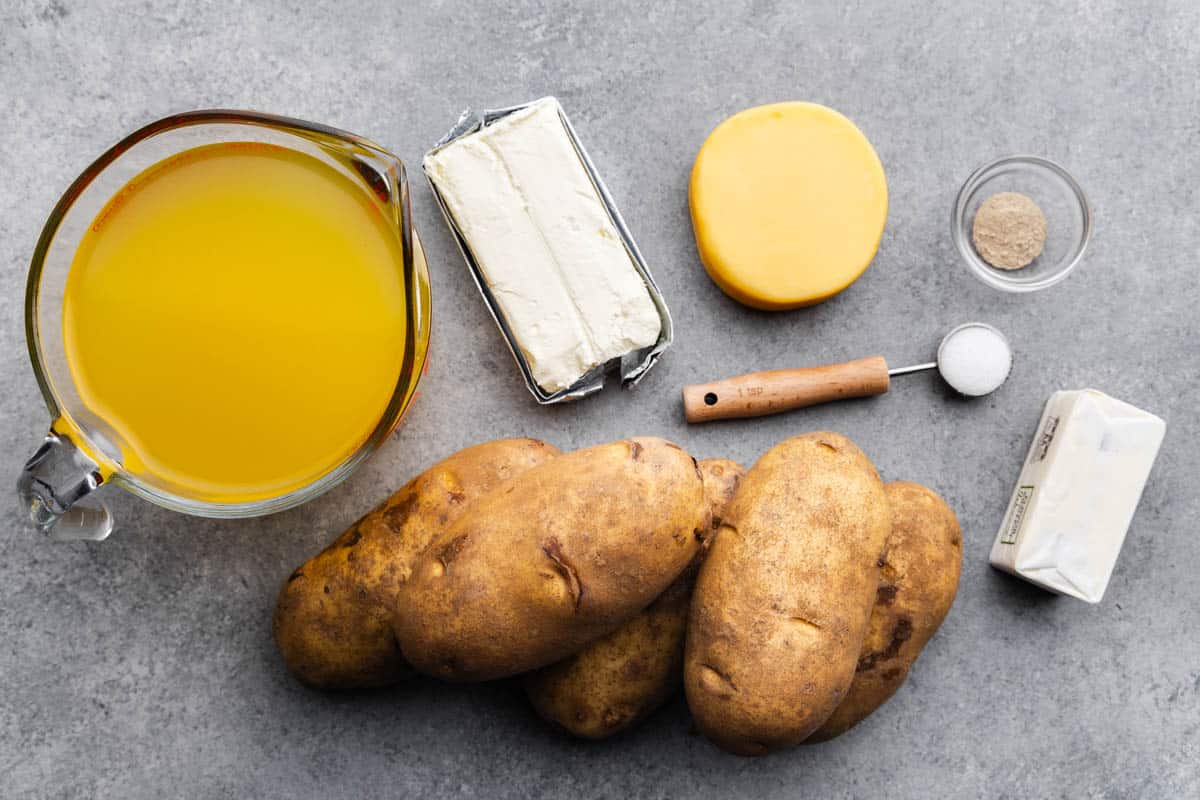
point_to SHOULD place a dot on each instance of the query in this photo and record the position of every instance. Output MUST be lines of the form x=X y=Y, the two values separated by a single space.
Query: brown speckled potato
x=916 y=589
x=781 y=606
x=561 y=555
x=620 y=679
x=721 y=480
x=333 y=619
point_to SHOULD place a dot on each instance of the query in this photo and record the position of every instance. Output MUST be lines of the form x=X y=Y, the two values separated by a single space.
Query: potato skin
x=562 y=554
x=333 y=618
x=917 y=585
x=782 y=602
x=619 y=679
x=721 y=478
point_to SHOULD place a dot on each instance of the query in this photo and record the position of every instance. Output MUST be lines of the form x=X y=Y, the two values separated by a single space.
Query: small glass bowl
x=1068 y=220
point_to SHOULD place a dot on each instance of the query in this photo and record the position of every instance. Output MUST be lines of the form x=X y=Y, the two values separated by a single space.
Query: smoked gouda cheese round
x=788 y=203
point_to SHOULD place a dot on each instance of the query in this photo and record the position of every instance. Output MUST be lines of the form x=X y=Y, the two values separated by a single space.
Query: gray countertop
x=144 y=666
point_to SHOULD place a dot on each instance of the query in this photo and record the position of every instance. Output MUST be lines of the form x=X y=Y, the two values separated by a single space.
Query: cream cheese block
x=1077 y=492
x=543 y=240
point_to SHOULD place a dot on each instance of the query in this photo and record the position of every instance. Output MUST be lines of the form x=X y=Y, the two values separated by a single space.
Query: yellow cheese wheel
x=788 y=204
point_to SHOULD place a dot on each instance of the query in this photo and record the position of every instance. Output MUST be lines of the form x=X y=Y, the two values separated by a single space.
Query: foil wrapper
x=631 y=366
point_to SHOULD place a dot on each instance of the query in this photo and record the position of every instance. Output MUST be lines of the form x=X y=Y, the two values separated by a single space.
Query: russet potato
x=560 y=555
x=333 y=618
x=917 y=584
x=782 y=601
x=619 y=679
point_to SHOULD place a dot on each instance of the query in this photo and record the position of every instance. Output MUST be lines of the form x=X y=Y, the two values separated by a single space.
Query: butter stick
x=1077 y=493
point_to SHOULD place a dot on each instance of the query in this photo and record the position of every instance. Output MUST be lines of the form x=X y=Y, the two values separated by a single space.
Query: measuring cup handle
x=760 y=393
x=54 y=481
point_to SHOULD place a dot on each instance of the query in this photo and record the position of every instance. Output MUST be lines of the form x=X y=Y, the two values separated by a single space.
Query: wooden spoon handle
x=757 y=394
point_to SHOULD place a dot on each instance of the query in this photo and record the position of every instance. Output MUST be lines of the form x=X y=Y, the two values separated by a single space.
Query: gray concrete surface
x=144 y=667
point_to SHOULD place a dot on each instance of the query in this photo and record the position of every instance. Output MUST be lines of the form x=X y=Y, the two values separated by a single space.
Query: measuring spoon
x=974 y=359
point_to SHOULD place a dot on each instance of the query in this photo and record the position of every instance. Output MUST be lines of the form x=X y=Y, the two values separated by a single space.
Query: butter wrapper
x=631 y=366
x=1077 y=492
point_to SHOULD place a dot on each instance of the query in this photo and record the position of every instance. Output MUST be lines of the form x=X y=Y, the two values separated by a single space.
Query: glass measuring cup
x=79 y=454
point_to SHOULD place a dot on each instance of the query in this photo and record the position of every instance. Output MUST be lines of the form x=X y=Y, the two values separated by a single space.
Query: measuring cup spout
x=54 y=480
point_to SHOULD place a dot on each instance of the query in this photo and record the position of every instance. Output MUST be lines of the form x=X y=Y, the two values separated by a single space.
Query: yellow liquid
x=236 y=316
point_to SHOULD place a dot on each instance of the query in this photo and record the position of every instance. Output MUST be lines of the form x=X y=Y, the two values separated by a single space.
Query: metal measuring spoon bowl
x=974 y=359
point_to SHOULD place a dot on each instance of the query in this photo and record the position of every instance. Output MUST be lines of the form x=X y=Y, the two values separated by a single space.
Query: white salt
x=975 y=360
